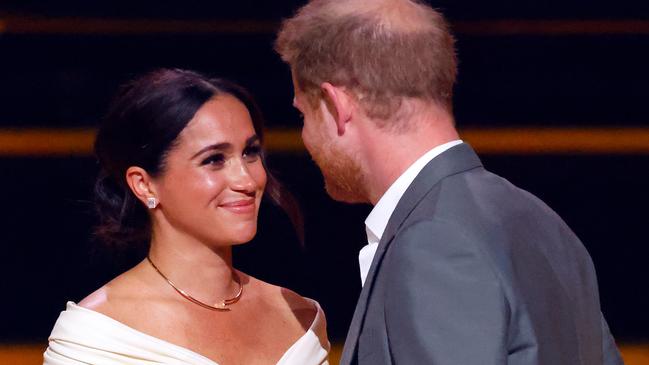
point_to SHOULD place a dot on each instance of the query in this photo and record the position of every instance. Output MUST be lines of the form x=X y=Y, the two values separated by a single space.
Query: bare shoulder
x=116 y=297
x=296 y=301
x=97 y=299
x=304 y=310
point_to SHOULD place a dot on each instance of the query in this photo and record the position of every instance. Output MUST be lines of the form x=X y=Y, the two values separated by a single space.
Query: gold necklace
x=222 y=306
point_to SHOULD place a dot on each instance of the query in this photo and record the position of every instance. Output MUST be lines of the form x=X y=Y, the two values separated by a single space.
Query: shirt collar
x=378 y=218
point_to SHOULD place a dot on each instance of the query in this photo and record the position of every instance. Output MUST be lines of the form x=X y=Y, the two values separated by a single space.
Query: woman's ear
x=339 y=103
x=142 y=186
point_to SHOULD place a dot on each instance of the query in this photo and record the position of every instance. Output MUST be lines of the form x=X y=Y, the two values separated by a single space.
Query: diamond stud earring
x=151 y=203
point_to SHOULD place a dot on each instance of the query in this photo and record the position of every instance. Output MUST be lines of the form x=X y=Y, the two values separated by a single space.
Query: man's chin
x=343 y=195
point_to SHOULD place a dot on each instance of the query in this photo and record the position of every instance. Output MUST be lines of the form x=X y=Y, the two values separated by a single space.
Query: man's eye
x=252 y=153
x=216 y=160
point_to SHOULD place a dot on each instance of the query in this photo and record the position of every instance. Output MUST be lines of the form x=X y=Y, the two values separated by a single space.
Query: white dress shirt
x=378 y=219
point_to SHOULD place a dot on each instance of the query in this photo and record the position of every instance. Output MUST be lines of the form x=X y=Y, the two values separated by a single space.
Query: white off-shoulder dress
x=83 y=336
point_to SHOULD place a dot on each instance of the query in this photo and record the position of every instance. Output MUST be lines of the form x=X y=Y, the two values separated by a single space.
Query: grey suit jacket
x=473 y=270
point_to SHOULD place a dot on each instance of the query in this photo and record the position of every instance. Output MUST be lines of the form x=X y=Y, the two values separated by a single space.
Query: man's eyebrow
x=217 y=146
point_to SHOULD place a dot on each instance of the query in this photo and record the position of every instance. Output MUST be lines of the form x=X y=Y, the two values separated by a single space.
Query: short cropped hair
x=382 y=50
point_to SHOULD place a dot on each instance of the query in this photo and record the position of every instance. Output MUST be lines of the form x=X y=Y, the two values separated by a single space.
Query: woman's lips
x=243 y=206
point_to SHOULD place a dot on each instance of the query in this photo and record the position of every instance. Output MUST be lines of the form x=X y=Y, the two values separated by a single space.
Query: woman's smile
x=240 y=206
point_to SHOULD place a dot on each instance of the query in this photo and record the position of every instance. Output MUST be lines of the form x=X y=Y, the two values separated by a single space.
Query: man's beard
x=343 y=175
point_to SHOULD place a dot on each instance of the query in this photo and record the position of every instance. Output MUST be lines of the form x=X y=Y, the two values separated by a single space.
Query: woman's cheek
x=260 y=175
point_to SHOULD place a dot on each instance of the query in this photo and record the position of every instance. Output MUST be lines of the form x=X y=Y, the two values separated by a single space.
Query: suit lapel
x=455 y=160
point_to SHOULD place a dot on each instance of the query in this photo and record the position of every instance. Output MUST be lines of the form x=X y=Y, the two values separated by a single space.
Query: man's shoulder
x=479 y=193
x=487 y=211
x=494 y=218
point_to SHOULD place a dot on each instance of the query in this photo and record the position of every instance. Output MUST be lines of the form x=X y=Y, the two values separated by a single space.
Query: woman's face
x=213 y=178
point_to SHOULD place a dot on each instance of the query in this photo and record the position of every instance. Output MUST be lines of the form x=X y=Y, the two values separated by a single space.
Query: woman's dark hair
x=140 y=129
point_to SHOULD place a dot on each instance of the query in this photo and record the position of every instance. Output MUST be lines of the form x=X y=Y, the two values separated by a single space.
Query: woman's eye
x=252 y=153
x=215 y=160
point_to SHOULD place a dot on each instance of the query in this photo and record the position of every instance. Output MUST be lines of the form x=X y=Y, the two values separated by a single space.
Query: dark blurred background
x=538 y=65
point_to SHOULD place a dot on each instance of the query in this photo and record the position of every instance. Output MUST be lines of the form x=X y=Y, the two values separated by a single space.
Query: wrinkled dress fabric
x=83 y=336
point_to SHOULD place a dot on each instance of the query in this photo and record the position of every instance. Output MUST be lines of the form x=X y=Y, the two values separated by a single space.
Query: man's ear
x=141 y=184
x=339 y=103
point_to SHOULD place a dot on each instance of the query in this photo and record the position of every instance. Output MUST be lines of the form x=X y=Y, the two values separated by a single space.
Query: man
x=461 y=267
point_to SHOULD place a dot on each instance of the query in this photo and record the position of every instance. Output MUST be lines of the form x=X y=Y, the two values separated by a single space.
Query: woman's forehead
x=221 y=119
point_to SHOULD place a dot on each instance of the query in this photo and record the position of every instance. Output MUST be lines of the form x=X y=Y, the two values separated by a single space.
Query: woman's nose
x=240 y=178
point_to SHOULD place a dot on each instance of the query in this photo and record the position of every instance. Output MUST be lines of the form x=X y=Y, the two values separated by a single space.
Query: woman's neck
x=202 y=271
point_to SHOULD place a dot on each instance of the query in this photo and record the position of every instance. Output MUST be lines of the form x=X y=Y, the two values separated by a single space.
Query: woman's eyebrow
x=224 y=146
x=252 y=139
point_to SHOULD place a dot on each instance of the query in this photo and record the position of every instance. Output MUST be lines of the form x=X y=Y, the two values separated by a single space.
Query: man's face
x=342 y=172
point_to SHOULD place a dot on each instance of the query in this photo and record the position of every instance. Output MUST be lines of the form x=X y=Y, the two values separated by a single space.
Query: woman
x=183 y=172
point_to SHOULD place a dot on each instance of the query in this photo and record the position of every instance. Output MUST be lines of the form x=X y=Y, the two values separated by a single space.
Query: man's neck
x=388 y=154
